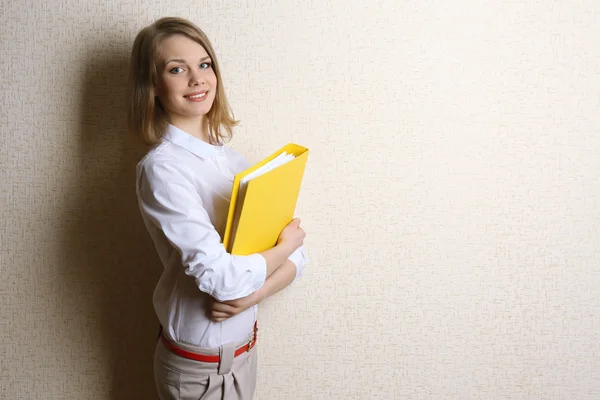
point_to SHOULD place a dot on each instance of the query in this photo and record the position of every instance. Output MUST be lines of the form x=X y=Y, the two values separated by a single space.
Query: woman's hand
x=292 y=235
x=290 y=238
x=220 y=311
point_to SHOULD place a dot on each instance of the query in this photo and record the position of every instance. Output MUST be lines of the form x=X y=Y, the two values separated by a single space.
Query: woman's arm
x=289 y=244
x=282 y=277
x=170 y=202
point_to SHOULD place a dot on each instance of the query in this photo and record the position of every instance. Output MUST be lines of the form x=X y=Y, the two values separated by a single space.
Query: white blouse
x=183 y=188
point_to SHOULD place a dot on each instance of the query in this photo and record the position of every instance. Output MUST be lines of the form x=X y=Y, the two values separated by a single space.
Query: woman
x=206 y=298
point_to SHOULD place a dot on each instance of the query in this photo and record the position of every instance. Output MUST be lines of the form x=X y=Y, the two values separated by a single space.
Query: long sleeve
x=170 y=201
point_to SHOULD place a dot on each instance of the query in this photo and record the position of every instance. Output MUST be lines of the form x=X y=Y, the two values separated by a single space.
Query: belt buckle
x=252 y=340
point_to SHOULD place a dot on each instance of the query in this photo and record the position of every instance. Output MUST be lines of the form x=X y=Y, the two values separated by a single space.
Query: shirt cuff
x=299 y=258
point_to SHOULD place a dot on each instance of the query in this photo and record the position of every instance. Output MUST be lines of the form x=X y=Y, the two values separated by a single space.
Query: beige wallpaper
x=451 y=198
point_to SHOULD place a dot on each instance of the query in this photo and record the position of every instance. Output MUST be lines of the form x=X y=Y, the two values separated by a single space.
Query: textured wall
x=451 y=198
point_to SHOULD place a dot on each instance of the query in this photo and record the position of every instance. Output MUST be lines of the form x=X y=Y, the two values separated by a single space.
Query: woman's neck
x=194 y=127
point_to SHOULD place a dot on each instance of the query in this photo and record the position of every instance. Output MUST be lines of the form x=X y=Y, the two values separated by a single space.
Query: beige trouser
x=182 y=379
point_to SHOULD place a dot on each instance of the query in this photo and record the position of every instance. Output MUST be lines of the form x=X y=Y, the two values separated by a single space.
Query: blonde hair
x=145 y=115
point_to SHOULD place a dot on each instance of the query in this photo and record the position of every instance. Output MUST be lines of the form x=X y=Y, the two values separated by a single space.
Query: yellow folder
x=260 y=210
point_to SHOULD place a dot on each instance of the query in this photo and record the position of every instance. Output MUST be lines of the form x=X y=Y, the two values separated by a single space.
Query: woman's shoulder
x=163 y=158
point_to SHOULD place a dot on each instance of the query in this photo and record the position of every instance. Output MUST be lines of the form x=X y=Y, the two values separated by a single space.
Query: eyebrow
x=180 y=60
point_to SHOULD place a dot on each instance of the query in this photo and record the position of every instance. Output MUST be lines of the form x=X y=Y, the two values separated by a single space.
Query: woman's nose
x=196 y=78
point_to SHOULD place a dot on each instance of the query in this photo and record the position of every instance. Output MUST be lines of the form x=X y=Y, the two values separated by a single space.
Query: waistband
x=209 y=358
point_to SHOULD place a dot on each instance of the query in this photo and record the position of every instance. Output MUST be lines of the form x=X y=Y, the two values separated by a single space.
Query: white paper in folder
x=271 y=165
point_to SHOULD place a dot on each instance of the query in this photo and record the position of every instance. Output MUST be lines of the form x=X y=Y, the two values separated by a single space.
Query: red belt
x=203 y=357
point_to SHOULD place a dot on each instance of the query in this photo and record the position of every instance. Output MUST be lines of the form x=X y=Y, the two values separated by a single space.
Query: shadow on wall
x=113 y=264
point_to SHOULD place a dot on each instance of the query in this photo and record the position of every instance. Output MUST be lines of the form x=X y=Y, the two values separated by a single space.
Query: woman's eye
x=205 y=65
x=176 y=70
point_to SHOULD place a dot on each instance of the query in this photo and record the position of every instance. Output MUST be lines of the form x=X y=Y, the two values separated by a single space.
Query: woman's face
x=186 y=83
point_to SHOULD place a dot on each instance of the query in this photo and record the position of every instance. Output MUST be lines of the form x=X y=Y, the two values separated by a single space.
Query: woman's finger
x=219 y=316
x=222 y=307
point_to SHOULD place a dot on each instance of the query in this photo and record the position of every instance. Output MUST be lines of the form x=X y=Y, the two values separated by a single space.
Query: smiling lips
x=197 y=96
